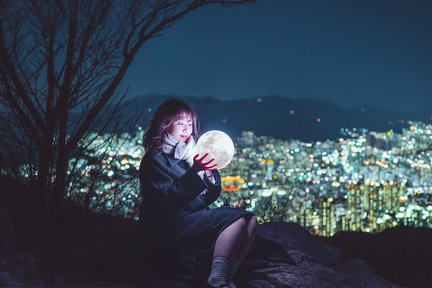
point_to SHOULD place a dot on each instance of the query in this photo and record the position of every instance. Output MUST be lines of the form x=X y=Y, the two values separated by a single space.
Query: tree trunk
x=41 y=191
x=62 y=162
x=57 y=196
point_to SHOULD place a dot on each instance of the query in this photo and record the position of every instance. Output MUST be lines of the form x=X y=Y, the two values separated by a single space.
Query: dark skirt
x=195 y=237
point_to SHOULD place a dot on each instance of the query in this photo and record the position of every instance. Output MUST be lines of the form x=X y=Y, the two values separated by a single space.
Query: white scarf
x=181 y=150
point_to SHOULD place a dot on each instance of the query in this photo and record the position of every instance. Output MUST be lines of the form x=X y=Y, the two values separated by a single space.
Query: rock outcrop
x=7 y=233
x=316 y=264
x=402 y=255
x=17 y=268
x=104 y=251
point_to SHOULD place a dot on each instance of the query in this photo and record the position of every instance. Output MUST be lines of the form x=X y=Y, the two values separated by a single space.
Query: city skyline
x=364 y=181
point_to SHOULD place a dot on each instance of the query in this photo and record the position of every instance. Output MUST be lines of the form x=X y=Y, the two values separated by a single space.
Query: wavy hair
x=164 y=116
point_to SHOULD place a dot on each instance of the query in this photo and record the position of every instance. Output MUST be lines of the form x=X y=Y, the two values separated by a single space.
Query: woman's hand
x=200 y=164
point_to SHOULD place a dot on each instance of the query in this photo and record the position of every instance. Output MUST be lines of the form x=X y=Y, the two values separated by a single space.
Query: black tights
x=235 y=241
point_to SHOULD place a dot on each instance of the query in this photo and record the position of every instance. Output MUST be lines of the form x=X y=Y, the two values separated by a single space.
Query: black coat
x=175 y=216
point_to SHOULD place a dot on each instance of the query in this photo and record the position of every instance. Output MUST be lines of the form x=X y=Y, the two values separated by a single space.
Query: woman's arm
x=163 y=189
x=213 y=187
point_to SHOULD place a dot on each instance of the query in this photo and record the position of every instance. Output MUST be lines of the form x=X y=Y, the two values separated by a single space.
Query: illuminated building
x=376 y=180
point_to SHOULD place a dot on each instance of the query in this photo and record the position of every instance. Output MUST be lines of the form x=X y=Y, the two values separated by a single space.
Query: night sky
x=352 y=53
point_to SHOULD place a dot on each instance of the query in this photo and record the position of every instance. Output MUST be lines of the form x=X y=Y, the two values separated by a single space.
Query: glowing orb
x=219 y=146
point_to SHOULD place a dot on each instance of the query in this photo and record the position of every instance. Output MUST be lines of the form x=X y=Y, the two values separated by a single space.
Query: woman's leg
x=229 y=239
x=226 y=247
x=244 y=246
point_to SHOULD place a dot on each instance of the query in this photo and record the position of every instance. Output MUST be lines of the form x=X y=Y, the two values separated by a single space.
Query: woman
x=198 y=244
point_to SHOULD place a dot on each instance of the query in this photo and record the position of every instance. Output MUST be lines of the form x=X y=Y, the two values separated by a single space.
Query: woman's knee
x=251 y=225
x=241 y=224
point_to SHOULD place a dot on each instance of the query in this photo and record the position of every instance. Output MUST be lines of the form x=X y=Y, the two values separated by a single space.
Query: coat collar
x=170 y=160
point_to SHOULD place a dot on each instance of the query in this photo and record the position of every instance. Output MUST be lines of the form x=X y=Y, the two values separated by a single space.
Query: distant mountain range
x=279 y=117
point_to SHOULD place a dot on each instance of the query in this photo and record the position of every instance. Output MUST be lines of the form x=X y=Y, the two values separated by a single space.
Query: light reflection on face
x=181 y=128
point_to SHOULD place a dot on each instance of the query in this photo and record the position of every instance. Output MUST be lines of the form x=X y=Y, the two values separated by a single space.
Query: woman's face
x=181 y=127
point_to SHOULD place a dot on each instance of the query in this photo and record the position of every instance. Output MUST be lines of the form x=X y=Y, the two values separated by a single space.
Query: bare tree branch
x=62 y=58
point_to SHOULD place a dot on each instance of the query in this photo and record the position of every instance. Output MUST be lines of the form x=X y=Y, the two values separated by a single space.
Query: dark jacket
x=170 y=190
x=178 y=227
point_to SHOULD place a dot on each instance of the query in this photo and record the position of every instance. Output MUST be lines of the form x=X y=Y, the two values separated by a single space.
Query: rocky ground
x=100 y=251
x=316 y=264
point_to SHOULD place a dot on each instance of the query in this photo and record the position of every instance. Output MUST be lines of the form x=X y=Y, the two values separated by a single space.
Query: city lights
x=364 y=181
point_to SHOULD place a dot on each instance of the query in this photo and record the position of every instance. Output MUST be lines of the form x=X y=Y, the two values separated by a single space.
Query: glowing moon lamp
x=219 y=146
